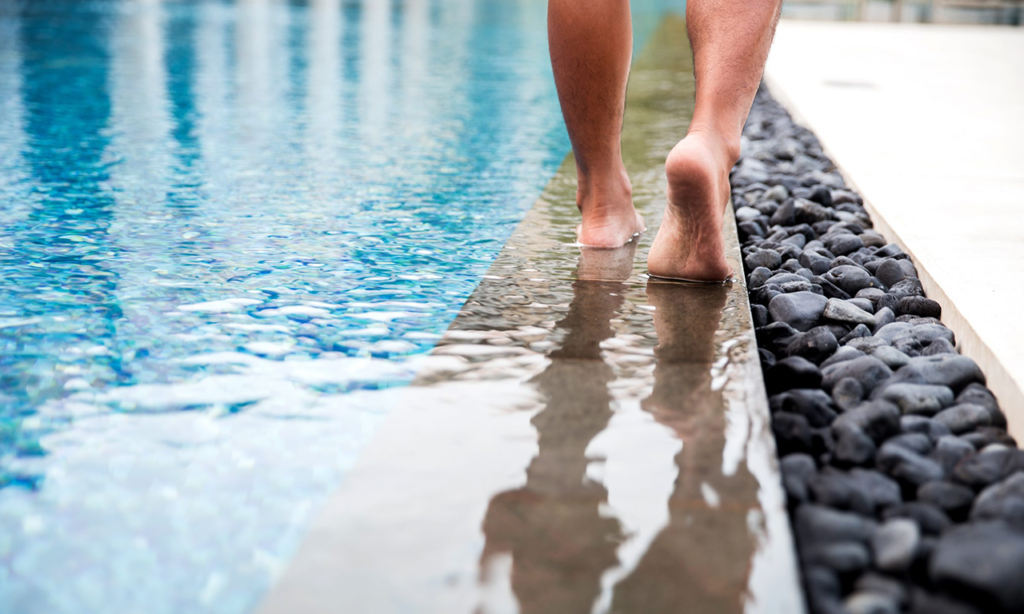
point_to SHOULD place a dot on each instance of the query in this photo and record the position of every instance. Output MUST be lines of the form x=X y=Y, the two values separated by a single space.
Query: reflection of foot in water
x=699 y=563
x=606 y=264
x=552 y=526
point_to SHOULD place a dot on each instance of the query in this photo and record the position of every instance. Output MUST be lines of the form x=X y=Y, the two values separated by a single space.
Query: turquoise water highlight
x=226 y=231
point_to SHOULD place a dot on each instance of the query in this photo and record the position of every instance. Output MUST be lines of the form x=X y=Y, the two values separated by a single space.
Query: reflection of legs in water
x=606 y=264
x=695 y=563
x=560 y=543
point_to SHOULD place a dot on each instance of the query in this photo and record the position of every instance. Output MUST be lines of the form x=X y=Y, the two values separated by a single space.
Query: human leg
x=730 y=41
x=591 y=45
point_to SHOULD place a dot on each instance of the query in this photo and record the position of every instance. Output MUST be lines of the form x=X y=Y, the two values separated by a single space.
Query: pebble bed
x=905 y=491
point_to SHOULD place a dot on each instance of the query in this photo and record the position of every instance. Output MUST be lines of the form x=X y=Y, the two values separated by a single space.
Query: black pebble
x=792 y=372
x=919 y=306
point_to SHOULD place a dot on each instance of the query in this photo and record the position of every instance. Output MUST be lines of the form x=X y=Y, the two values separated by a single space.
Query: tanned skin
x=591 y=46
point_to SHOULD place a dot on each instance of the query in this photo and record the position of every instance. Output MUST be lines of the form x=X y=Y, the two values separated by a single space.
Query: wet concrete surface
x=581 y=440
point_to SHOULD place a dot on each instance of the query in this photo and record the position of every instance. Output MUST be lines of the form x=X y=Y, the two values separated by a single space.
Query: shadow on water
x=557 y=528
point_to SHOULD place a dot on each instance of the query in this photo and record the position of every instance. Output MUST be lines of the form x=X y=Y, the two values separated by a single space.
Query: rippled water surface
x=226 y=231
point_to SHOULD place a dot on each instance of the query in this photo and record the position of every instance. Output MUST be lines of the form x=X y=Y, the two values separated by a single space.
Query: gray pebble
x=893 y=358
x=801 y=310
x=867 y=370
x=814 y=261
x=886 y=585
x=870 y=603
x=859 y=332
x=818 y=524
x=879 y=420
x=845 y=311
x=882 y=490
x=796 y=470
x=851 y=279
x=767 y=258
x=923 y=399
x=847 y=393
x=864 y=304
x=930 y=519
x=843 y=244
x=759 y=276
x=852 y=445
x=889 y=272
x=746 y=214
x=815 y=345
x=953 y=499
x=923 y=424
x=843 y=557
x=777 y=193
x=939 y=346
x=964 y=417
x=1002 y=501
x=980 y=470
x=906 y=466
x=950 y=450
x=841 y=355
x=883 y=317
x=950 y=370
x=915 y=442
x=792 y=372
x=813 y=404
x=895 y=543
x=919 y=306
x=867 y=344
x=985 y=560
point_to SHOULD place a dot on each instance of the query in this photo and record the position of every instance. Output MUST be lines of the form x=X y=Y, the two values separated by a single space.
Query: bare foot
x=609 y=219
x=689 y=243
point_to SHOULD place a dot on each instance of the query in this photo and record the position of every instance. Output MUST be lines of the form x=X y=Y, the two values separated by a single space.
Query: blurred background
x=1007 y=12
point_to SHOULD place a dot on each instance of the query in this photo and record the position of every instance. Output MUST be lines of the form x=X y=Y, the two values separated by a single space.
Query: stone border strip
x=906 y=491
x=974 y=59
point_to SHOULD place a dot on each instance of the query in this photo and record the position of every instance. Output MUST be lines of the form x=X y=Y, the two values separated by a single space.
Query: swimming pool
x=227 y=231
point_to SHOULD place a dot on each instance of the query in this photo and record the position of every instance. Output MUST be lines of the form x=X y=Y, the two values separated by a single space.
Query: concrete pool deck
x=926 y=123
x=580 y=440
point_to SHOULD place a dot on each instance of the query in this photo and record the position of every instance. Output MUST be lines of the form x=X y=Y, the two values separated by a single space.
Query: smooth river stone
x=845 y=311
x=1002 y=500
x=801 y=310
x=964 y=417
x=924 y=399
x=984 y=561
x=869 y=371
x=877 y=419
x=895 y=544
x=950 y=370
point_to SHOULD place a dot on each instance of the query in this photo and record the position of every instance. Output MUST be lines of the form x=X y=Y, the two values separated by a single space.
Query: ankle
x=607 y=191
x=724 y=144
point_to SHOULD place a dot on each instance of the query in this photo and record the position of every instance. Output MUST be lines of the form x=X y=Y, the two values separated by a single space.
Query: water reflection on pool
x=227 y=230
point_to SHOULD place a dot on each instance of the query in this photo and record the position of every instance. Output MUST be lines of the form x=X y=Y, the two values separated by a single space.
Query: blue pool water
x=226 y=231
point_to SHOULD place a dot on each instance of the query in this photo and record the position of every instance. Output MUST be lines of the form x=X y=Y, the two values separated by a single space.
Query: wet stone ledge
x=905 y=490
